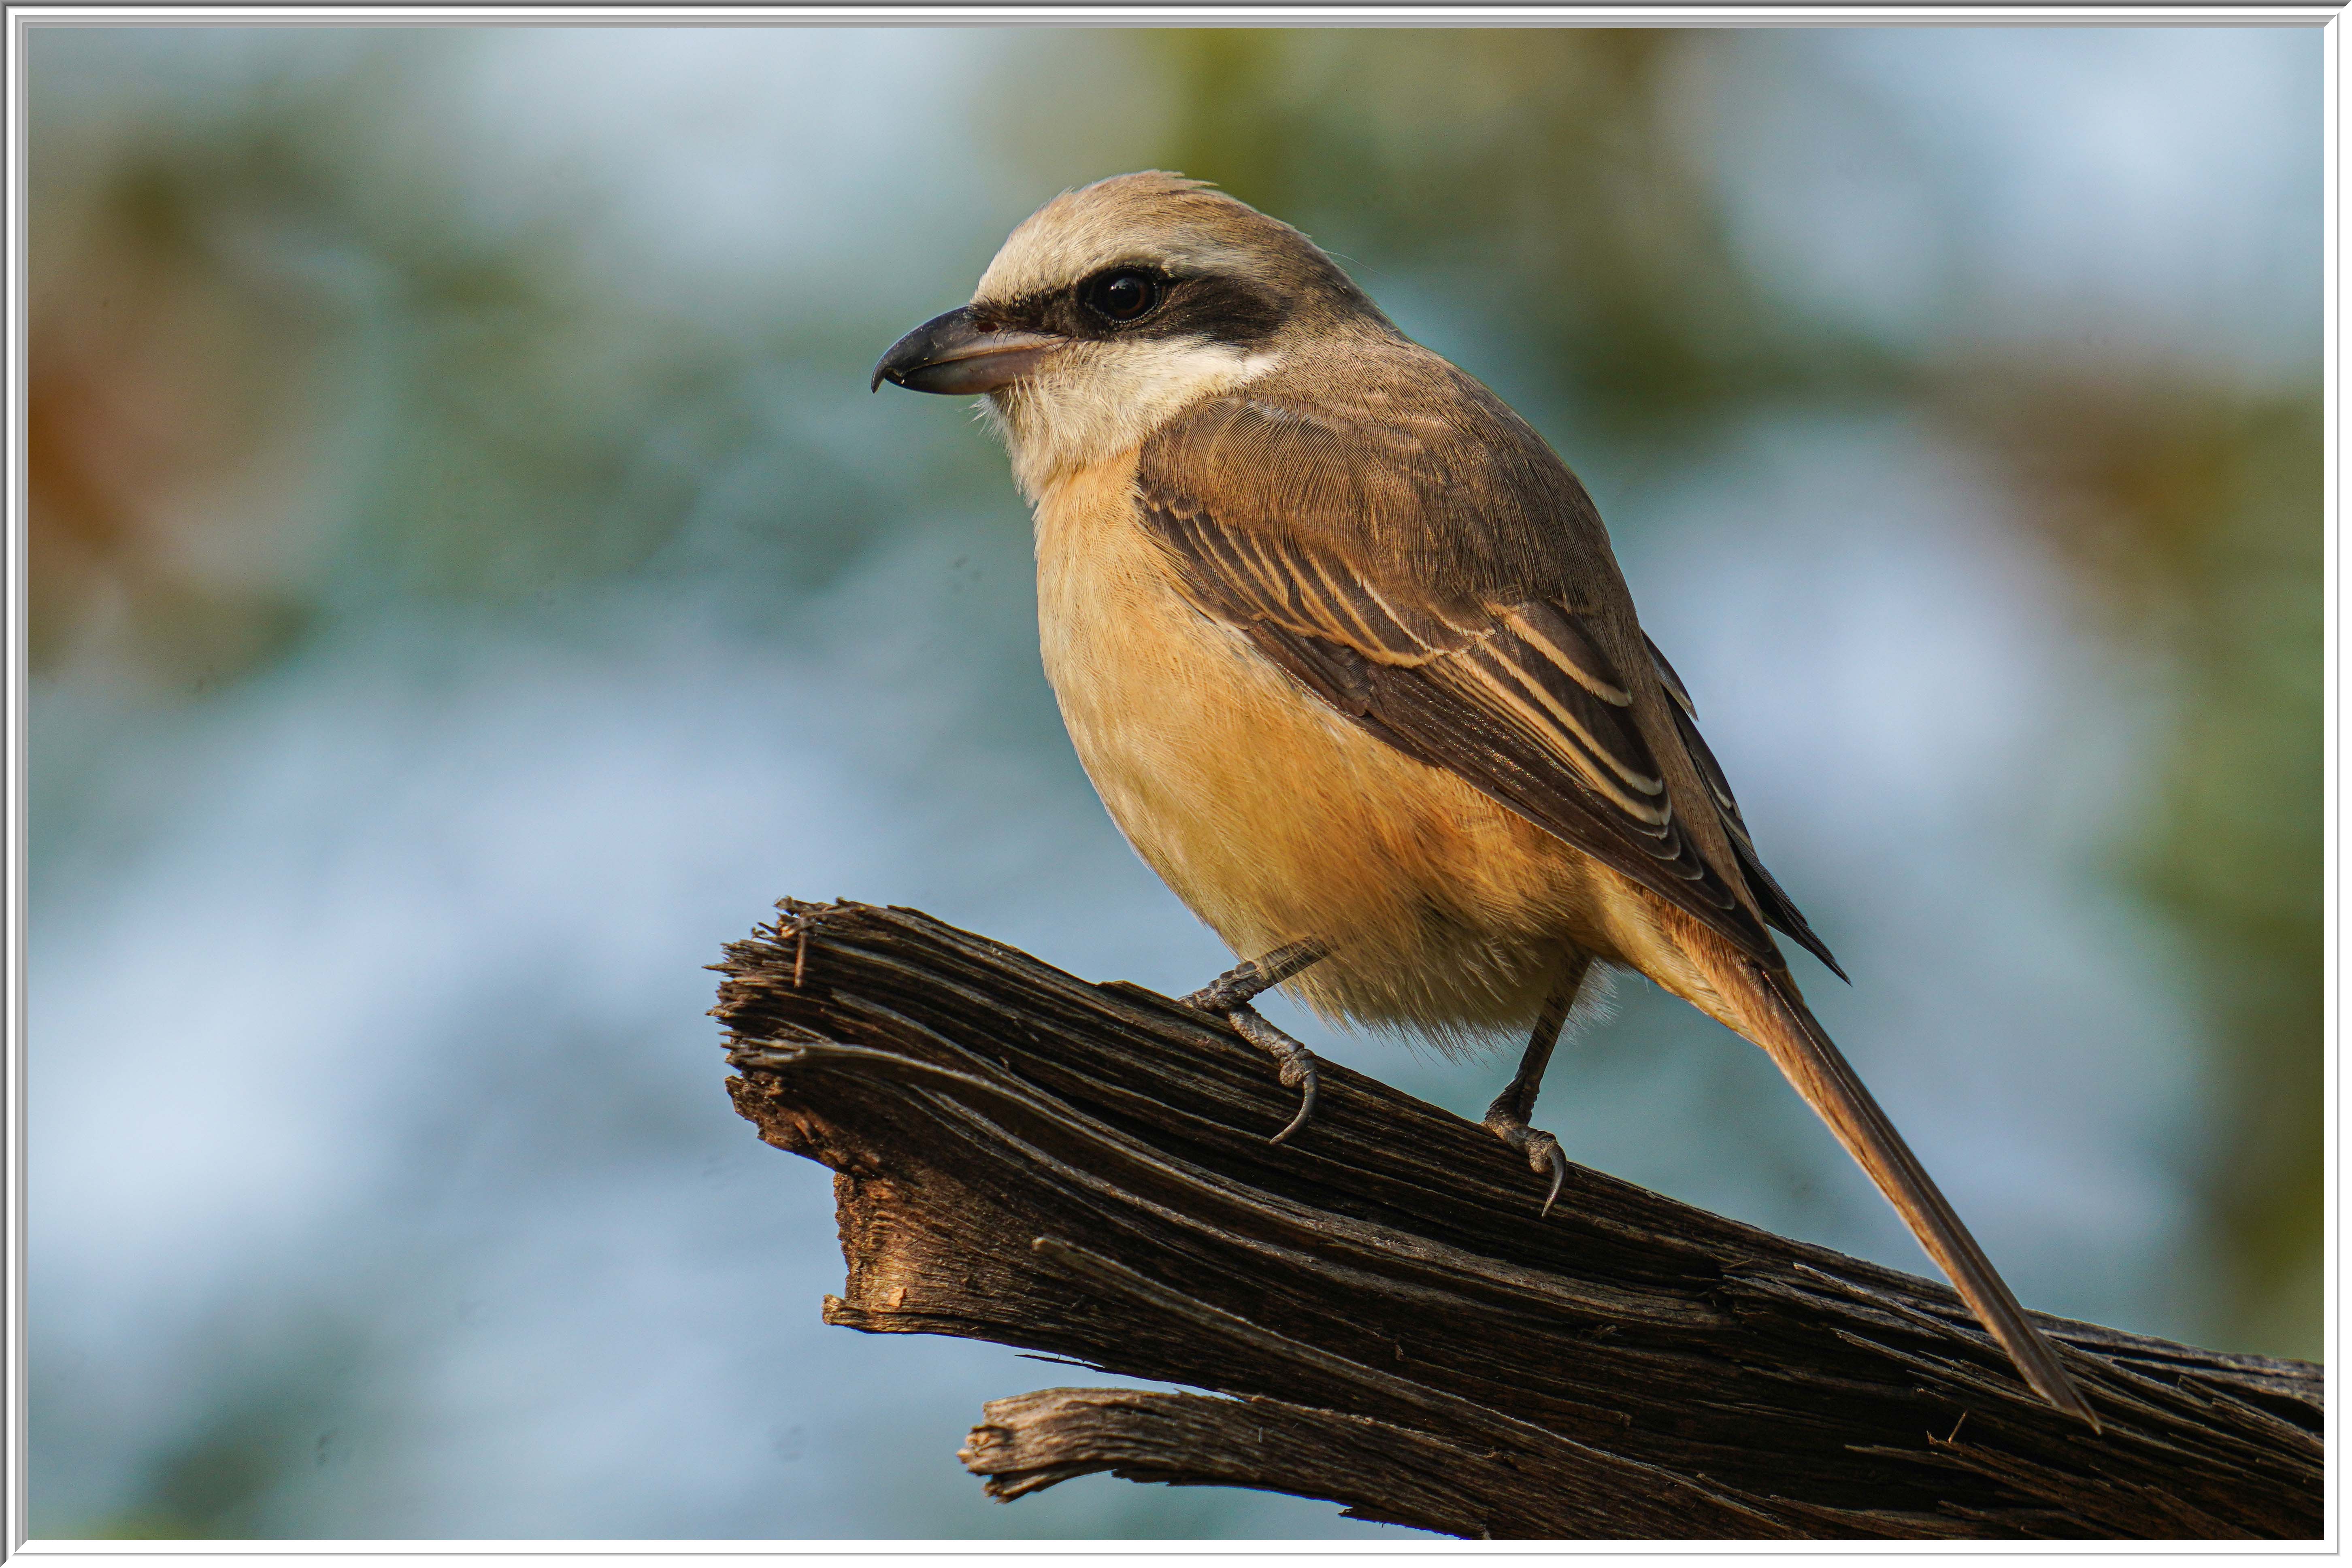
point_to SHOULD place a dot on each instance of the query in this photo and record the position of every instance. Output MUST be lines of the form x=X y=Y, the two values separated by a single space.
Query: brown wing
x=1770 y=897
x=1462 y=654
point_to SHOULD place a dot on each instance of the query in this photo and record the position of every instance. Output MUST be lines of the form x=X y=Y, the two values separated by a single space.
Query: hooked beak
x=962 y=353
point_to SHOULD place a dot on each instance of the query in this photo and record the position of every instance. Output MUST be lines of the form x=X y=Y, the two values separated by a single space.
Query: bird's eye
x=1122 y=296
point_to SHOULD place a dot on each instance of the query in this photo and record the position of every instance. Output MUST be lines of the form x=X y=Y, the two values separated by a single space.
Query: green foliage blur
x=293 y=377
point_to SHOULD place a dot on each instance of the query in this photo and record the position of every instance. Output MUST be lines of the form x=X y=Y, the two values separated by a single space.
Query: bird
x=1343 y=646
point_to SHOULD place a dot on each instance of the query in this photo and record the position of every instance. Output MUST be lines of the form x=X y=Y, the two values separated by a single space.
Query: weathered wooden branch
x=1083 y=1170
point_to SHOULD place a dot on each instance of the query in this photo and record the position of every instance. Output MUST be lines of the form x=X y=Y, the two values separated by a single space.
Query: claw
x=1306 y=1101
x=1541 y=1148
x=1297 y=1063
x=1558 y=1176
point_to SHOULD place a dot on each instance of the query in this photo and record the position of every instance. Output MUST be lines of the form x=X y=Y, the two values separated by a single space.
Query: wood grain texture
x=1082 y=1170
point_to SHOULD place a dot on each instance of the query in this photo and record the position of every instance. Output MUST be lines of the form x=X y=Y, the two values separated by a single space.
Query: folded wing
x=1513 y=692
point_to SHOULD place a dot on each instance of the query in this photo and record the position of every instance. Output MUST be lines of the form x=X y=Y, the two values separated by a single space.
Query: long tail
x=1795 y=1040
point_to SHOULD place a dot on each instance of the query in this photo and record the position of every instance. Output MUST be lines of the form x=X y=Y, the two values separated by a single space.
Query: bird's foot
x=1297 y=1063
x=1541 y=1148
x=1229 y=996
x=1247 y=981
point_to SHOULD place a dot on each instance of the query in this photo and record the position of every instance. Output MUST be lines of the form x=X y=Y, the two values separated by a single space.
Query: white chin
x=1099 y=401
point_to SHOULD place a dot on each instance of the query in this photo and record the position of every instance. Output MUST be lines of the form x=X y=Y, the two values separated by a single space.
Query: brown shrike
x=1343 y=646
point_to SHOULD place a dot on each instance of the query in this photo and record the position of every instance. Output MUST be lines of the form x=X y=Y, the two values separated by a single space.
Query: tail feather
x=1799 y=1045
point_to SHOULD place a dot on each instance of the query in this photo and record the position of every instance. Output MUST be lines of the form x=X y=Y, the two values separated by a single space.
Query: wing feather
x=1554 y=633
x=1777 y=907
x=1494 y=671
x=1498 y=678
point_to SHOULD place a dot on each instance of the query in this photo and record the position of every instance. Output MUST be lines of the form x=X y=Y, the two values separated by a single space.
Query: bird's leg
x=1229 y=996
x=1507 y=1118
x=1241 y=984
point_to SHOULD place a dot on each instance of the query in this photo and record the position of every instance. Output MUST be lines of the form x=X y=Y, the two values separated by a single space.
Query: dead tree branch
x=1083 y=1170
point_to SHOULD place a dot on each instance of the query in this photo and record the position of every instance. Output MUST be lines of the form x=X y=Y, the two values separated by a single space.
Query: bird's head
x=1114 y=307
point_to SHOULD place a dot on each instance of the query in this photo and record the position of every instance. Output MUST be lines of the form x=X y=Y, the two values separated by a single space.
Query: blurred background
x=470 y=582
